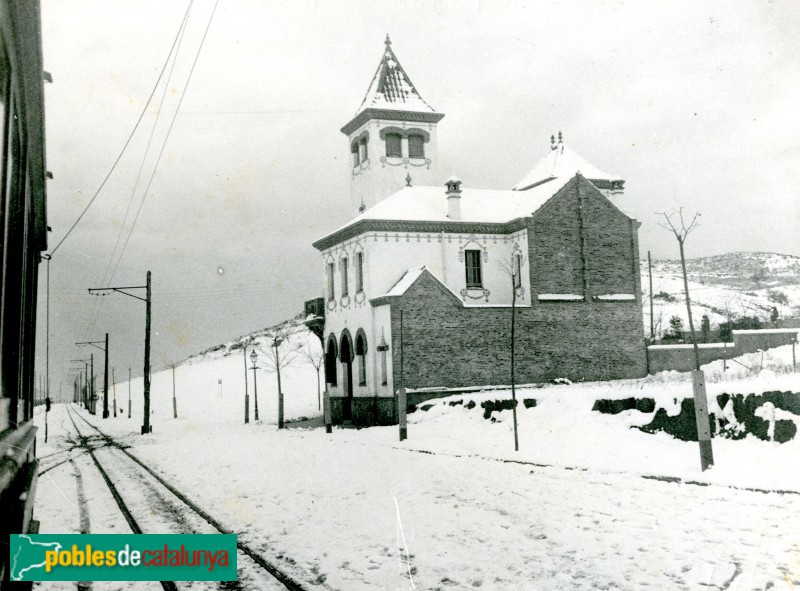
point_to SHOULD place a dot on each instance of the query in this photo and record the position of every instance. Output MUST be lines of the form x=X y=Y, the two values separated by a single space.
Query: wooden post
x=794 y=360
x=401 y=412
x=652 y=320
x=105 y=383
x=701 y=418
x=114 y=386
x=146 y=428
x=92 y=400
x=174 y=400
x=326 y=409
x=246 y=395
x=724 y=356
x=280 y=390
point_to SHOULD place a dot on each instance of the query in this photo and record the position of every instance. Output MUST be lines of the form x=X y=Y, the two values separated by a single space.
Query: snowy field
x=576 y=508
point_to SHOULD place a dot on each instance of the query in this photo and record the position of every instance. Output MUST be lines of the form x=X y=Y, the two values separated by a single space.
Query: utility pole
x=91 y=381
x=104 y=348
x=652 y=319
x=174 y=400
x=146 y=428
x=246 y=395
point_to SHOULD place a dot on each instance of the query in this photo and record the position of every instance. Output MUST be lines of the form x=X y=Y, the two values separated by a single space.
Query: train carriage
x=23 y=224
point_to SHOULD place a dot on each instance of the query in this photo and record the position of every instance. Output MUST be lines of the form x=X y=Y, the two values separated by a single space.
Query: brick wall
x=448 y=345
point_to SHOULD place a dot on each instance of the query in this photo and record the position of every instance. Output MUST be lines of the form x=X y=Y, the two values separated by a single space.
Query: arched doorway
x=346 y=357
x=331 y=357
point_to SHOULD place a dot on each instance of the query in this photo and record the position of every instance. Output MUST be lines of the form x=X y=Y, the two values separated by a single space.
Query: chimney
x=453 y=197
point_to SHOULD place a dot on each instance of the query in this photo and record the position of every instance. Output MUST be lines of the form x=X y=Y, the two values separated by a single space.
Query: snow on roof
x=406 y=281
x=562 y=161
x=391 y=88
x=429 y=204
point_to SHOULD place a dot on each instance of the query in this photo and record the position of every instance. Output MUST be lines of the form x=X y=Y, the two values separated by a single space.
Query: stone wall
x=681 y=357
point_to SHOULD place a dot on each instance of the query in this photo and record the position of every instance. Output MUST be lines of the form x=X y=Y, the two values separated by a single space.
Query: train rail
x=150 y=503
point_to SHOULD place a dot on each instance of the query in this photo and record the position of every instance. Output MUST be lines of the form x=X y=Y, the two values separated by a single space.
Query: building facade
x=419 y=285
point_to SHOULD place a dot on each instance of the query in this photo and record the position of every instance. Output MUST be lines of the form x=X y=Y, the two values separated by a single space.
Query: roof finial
x=388 y=41
x=552 y=142
x=408 y=179
x=560 y=138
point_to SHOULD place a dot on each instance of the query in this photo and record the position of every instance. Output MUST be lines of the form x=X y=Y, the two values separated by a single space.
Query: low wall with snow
x=681 y=357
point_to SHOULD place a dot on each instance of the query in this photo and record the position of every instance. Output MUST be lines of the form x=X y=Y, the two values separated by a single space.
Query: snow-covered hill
x=210 y=386
x=734 y=284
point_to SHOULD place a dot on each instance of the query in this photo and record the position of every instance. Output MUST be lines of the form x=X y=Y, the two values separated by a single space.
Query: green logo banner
x=123 y=557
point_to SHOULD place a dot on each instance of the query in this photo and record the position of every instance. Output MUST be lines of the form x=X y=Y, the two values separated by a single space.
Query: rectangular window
x=343 y=267
x=472 y=260
x=517 y=270
x=416 y=146
x=331 y=295
x=393 y=145
x=384 y=372
x=359 y=272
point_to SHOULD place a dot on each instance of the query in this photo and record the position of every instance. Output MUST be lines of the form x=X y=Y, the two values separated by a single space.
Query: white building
x=445 y=256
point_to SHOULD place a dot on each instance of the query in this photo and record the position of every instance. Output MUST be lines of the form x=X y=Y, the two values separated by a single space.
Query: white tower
x=392 y=138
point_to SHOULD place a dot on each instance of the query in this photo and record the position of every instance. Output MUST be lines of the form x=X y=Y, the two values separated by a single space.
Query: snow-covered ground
x=358 y=509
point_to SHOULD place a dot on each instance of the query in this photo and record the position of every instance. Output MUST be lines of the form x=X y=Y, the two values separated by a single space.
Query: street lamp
x=276 y=342
x=254 y=358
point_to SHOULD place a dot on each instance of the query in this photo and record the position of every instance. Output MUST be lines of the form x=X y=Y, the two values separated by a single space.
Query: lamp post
x=254 y=358
x=276 y=343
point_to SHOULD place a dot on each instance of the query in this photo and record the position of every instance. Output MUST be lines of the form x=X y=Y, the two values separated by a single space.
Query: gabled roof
x=409 y=278
x=562 y=162
x=391 y=88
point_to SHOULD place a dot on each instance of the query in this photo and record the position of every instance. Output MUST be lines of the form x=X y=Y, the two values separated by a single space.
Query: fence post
x=326 y=406
x=401 y=413
x=724 y=356
x=701 y=417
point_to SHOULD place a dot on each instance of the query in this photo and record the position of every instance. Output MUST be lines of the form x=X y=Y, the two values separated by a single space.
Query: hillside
x=730 y=285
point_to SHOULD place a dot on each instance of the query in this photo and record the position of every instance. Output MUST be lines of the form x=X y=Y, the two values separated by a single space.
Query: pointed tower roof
x=391 y=88
x=392 y=95
x=563 y=162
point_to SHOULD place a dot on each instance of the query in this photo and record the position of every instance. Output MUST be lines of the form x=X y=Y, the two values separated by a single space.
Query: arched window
x=331 y=354
x=393 y=145
x=356 y=156
x=416 y=146
x=361 y=354
x=364 y=153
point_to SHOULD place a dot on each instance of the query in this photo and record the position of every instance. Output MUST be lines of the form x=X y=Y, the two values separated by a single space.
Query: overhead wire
x=181 y=33
x=127 y=142
x=166 y=140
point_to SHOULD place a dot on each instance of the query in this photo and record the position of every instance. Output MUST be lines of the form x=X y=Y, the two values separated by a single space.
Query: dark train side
x=23 y=223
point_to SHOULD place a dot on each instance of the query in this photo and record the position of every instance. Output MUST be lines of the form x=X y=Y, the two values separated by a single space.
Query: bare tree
x=513 y=268
x=681 y=231
x=315 y=359
x=279 y=354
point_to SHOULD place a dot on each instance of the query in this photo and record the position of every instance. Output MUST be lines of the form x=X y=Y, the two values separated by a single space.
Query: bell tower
x=391 y=138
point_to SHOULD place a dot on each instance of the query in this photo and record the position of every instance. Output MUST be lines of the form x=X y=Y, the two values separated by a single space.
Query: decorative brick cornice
x=390 y=115
x=423 y=227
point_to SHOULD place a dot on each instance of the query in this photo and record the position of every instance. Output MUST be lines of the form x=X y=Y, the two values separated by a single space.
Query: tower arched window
x=364 y=153
x=393 y=142
x=356 y=155
x=416 y=146
x=361 y=355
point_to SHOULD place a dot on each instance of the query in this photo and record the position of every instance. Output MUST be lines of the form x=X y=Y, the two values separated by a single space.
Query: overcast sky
x=693 y=103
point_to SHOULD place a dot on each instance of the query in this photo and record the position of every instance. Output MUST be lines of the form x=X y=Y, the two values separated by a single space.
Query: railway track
x=151 y=504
